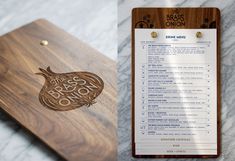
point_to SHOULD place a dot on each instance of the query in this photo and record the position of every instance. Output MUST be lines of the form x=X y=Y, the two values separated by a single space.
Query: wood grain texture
x=193 y=18
x=85 y=133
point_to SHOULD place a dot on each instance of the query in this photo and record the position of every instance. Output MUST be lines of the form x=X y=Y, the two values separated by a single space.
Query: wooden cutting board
x=61 y=90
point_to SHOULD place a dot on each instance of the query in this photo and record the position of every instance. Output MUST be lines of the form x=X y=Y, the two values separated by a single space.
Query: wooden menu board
x=176 y=82
x=61 y=90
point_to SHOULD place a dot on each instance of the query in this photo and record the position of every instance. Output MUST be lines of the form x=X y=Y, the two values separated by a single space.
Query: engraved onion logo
x=67 y=91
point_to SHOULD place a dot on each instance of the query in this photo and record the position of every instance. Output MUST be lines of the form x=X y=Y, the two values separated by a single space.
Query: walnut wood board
x=82 y=128
x=193 y=18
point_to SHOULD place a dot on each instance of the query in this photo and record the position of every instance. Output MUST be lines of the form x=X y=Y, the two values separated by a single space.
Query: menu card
x=175 y=92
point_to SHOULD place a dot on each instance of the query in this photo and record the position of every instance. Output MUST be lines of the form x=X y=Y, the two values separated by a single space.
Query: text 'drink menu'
x=175 y=92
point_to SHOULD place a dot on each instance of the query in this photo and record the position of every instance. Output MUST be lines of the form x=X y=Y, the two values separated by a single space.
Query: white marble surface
x=227 y=72
x=94 y=22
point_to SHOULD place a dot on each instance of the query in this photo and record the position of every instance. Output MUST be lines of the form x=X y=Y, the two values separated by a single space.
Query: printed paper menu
x=175 y=92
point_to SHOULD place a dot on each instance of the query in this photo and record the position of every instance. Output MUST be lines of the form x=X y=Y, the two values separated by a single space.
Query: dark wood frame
x=203 y=18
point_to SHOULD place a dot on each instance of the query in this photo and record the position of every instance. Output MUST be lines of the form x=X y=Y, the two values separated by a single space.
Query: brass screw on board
x=44 y=43
x=199 y=34
x=154 y=34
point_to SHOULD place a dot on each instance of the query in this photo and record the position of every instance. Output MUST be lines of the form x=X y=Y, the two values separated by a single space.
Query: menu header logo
x=175 y=19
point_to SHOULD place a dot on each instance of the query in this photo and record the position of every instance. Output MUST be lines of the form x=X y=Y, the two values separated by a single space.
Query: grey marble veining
x=92 y=22
x=227 y=72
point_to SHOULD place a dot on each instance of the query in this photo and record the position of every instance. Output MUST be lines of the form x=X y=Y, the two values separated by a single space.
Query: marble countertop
x=227 y=71
x=94 y=24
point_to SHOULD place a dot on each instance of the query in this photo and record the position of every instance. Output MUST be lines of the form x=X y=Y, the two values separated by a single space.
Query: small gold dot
x=154 y=34
x=199 y=34
x=44 y=43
